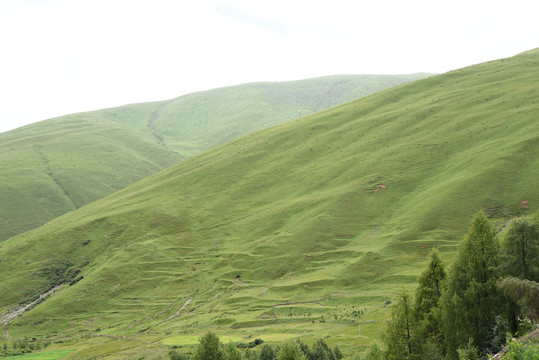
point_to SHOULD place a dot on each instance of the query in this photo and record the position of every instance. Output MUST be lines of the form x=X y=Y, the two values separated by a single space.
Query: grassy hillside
x=196 y=122
x=58 y=165
x=288 y=231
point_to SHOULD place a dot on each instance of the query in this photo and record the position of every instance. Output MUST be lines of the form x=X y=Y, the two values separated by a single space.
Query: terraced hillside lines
x=293 y=211
x=90 y=155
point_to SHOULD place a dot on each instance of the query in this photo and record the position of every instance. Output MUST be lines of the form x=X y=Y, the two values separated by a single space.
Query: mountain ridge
x=60 y=164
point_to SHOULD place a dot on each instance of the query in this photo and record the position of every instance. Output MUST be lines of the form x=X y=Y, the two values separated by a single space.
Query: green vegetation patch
x=45 y=355
x=183 y=340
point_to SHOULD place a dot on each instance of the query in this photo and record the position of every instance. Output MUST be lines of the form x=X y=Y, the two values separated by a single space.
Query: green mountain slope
x=288 y=231
x=196 y=122
x=57 y=165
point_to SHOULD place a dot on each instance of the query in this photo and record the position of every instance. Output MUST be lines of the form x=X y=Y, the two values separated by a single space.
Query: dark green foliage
x=469 y=352
x=61 y=273
x=290 y=350
x=22 y=346
x=210 y=348
x=430 y=351
x=399 y=331
x=321 y=351
x=498 y=338
x=472 y=301
x=174 y=355
x=338 y=353
x=427 y=298
x=520 y=250
x=267 y=353
x=305 y=349
x=76 y=280
x=524 y=292
x=250 y=355
x=232 y=352
x=250 y=344
x=429 y=290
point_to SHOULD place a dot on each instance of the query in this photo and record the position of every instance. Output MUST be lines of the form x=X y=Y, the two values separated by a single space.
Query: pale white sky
x=64 y=56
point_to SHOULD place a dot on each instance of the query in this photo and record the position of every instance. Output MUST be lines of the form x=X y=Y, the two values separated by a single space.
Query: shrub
x=521 y=351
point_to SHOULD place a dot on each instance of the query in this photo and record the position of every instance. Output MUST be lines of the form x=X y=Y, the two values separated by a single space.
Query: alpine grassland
x=61 y=164
x=301 y=230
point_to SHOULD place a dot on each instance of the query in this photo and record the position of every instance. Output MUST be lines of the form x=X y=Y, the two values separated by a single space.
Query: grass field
x=61 y=164
x=293 y=229
x=44 y=355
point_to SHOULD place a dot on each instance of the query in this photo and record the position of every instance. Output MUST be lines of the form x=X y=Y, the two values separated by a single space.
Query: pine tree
x=471 y=301
x=426 y=309
x=520 y=250
x=321 y=351
x=305 y=349
x=429 y=290
x=399 y=331
x=523 y=292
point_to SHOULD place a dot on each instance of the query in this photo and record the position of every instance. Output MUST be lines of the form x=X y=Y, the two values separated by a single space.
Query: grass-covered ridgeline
x=292 y=230
x=58 y=165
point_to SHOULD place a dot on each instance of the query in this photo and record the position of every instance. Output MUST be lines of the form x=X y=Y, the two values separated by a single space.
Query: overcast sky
x=64 y=56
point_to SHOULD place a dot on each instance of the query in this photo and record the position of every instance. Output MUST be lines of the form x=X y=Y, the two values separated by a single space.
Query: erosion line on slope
x=11 y=315
x=50 y=174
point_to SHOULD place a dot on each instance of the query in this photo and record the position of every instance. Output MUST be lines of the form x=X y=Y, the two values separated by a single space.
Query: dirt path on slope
x=177 y=312
x=11 y=315
x=507 y=223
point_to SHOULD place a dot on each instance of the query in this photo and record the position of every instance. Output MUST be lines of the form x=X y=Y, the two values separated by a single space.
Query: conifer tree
x=322 y=351
x=523 y=292
x=305 y=349
x=399 y=331
x=471 y=301
x=426 y=309
x=520 y=250
x=429 y=290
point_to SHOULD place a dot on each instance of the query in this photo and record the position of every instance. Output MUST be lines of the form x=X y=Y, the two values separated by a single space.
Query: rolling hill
x=58 y=165
x=290 y=230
